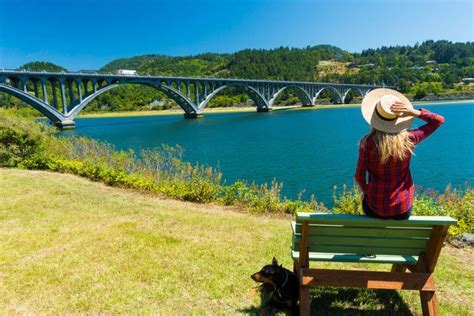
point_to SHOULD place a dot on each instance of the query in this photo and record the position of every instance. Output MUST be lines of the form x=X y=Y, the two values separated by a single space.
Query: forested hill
x=433 y=69
x=199 y=65
x=42 y=65
x=281 y=63
x=432 y=61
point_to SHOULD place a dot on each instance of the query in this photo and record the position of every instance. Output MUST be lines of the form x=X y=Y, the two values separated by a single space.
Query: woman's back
x=389 y=189
x=386 y=158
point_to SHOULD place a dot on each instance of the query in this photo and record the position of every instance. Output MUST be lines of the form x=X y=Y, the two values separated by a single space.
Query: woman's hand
x=401 y=109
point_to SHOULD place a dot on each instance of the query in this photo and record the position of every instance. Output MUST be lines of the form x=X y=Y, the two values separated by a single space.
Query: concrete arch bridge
x=72 y=92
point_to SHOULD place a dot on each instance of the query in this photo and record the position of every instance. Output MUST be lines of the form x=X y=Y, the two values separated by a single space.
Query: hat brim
x=373 y=119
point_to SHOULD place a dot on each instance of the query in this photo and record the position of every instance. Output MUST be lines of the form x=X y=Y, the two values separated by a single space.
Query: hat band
x=382 y=117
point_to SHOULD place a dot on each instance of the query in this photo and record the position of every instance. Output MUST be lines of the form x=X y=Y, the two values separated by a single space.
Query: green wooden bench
x=413 y=244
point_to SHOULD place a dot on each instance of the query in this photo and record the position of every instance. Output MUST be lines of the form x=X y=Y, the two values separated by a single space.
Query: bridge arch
x=302 y=94
x=171 y=92
x=58 y=118
x=85 y=101
x=51 y=113
x=328 y=88
x=256 y=96
x=354 y=89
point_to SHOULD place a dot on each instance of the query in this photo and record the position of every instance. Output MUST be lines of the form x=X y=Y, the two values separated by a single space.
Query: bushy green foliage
x=457 y=203
x=347 y=201
x=260 y=199
x=420 y=90
x=198 y=65
x=197 y=189
x=266 y=199
x=42 y=65
x=20 y=140
x=283 y=63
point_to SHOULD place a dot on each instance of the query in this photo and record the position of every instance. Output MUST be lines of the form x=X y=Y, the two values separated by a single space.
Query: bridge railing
x=199 y=79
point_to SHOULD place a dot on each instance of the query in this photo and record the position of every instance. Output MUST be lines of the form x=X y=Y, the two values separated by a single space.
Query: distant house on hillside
x=370 y=65
x=353 y=65
x=431 y=62
x=417 y=68
x=467 y=80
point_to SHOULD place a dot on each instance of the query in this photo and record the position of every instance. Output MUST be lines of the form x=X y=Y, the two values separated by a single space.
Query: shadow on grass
x=337 y=301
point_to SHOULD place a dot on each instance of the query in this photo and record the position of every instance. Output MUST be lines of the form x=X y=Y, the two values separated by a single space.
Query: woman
x=386 y=151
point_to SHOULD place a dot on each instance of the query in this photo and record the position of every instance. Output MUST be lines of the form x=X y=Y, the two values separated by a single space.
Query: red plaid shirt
x=390 y=188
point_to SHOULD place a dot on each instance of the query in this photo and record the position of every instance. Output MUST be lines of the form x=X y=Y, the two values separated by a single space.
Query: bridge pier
x=262 y=110
x=193 y=115
x=66 y=124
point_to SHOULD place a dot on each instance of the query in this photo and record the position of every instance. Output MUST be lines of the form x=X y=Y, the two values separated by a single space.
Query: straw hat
x=376 y=110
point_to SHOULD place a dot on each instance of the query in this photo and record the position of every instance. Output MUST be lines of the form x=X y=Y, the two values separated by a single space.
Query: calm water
x=307 y=150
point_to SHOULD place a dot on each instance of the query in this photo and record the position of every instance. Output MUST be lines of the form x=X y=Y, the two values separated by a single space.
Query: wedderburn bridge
x=71 y=92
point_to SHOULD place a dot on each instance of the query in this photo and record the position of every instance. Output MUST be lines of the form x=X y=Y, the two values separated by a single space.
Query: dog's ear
x=274 y=261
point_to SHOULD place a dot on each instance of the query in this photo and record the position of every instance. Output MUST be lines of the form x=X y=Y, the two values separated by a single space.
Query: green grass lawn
x=68 y=245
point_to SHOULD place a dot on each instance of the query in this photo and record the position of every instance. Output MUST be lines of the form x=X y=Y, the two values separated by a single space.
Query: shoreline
x=245 y=109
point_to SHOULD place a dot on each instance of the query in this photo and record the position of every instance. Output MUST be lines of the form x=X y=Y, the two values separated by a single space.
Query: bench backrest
x=359 y=234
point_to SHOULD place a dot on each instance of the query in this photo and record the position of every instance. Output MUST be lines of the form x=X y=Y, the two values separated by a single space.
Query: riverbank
x=86 y=248
x=243 y=109
x=179 y=111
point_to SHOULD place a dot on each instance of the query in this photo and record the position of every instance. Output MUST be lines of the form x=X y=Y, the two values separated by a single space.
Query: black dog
x=280 y=286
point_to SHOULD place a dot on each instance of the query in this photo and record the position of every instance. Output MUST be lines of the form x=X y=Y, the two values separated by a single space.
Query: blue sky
x=87 y=34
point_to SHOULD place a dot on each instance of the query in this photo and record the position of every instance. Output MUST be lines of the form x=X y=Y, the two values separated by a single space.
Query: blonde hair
x=398 y=146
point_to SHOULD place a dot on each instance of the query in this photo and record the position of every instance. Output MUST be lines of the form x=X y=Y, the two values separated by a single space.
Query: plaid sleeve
x=360 y=174
x=433 y=122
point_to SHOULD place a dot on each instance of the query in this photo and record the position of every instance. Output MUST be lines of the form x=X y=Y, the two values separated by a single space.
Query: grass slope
x=68 y=245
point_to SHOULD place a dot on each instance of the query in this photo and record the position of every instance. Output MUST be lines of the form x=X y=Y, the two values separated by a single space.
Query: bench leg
x=398 y=268
x=429 y=303
x=304 y=301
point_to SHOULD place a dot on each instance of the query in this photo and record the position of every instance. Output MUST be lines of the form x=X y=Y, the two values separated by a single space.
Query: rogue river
x=309 y=151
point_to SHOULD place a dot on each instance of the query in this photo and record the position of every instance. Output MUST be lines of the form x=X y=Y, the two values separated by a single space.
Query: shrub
x=425 y=204
x=198 y=190
x=20 y=139
x=238 y=193
x=459 y=204
x=266 y=199
x=348 y=201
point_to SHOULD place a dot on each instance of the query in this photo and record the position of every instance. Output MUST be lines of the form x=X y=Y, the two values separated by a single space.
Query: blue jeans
x=368 y=211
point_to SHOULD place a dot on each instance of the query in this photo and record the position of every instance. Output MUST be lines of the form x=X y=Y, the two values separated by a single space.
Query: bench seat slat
x=339 y=230
x=314 y=241
x=348 y=257
x=357 y=220
x=362 y=250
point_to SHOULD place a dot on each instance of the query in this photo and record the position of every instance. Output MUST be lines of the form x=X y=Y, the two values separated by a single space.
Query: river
x=310 y=151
